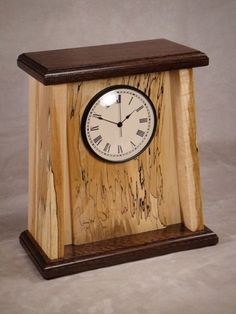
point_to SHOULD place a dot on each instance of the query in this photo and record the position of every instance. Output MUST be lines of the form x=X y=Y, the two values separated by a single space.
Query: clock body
x=104 y=199
x=113 y=161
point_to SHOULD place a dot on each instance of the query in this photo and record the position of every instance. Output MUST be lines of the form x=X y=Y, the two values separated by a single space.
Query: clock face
x=118 y=123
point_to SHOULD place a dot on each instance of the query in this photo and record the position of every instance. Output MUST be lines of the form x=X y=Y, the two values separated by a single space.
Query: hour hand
x=101 y=118
x=127 y=117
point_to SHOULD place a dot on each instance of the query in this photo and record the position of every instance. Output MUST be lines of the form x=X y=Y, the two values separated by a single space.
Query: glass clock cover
x=118 y=123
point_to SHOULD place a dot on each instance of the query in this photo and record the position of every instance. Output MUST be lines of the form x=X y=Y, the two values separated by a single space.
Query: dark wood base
x=79 y=258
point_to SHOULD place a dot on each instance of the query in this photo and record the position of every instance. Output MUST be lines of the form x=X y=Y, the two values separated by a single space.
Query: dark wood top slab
x=95 y=62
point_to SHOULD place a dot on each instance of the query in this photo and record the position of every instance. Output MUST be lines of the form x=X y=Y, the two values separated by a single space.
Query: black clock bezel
x=90 y=105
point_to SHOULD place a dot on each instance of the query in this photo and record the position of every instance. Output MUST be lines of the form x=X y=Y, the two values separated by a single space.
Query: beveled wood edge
x=149 y=65
x=50 y=269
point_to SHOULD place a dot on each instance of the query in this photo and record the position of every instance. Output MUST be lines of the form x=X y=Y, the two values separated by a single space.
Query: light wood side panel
x=59 y=159
x=111 y=200
x=33 y=109
x=48 y=168
x=186 y=149
x=41 y=192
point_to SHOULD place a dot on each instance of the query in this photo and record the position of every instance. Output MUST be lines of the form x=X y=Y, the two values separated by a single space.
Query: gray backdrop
x=170 y=284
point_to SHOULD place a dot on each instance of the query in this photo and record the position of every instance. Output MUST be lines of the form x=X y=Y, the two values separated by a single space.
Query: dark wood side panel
x=87 y=63
x=79 y=258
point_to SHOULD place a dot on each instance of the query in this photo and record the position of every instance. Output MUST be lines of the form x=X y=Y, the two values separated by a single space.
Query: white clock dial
x=119 y=123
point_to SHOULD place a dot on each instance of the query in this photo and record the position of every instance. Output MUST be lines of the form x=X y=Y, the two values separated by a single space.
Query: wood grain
x=112 y=200
x=186 y=149
x=75 y=198
x=48 y=170
x=89 y=63
x=79 y=258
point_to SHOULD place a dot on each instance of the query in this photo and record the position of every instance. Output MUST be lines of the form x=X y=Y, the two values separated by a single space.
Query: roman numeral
x=130 y=100
x=140 y=133
x=120 y=150
x=94 y=128
x=98 y=139
x=107 y=147
x=143 y=120
x=139 y=108
x=95 y=115
x=132 y=143
x=118 y=99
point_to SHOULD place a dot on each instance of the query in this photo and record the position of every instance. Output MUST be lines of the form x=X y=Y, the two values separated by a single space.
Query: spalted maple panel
x=48 y=168
x=76 y=198
x=182 y=90
x=111 y=200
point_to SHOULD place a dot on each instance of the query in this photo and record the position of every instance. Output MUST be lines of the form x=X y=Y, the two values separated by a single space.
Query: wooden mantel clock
x=113 y=163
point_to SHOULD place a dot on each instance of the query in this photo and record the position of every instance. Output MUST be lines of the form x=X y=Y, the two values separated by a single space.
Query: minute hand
x=127 y=117
x=101 y=118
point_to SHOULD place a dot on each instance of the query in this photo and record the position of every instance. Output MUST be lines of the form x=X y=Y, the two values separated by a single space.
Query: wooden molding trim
x=88 y=63
x=79 y=258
